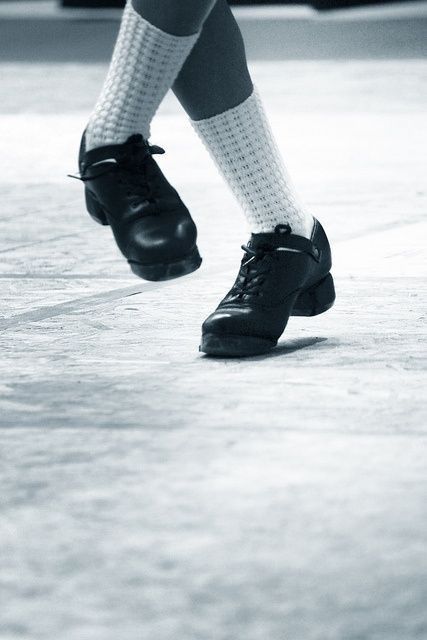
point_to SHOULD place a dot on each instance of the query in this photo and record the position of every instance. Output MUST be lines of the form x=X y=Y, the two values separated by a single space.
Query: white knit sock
x=144 y=66
x=241 y=143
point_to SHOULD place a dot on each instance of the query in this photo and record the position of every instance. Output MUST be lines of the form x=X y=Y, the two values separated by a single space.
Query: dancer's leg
x=124 y=186
x=155 y=38
x=215 y=75
x=180 y=17
x=282 y=273
x=215 y=89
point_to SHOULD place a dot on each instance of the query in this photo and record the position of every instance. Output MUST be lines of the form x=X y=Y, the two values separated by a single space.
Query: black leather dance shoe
x=281 y=274
x=125 y=188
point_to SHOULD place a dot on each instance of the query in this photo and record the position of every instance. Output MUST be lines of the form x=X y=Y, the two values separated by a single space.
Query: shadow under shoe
x=281 y=274
x=125 y=188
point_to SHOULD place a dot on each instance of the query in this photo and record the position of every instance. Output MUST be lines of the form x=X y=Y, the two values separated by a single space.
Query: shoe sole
x=233 y=346
x=312 y=302
x=167 y=270
x=154 y=272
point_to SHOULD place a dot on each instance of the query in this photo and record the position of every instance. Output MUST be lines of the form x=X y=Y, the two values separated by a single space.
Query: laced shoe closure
x=281 y=274
x=132 y=170
x=261 y=257
x=128 y=165
x=125 y=189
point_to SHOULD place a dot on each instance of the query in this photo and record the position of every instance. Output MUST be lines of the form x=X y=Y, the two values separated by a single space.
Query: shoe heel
x=317 y=299
x=95 y=209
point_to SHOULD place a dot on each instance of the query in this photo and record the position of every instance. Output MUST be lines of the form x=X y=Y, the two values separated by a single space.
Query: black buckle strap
x=283 y=241
x=301 y=244
x=134 y=143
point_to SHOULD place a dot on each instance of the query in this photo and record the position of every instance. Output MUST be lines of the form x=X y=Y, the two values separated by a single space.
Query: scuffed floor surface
x=150 y=493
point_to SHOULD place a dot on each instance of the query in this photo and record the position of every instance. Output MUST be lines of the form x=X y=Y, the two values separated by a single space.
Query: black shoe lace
x=131 y=166
x=251 y=277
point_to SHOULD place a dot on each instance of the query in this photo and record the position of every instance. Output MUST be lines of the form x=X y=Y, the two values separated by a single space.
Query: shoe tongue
x=136 y=138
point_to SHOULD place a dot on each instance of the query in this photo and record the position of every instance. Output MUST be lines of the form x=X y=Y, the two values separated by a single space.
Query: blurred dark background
x=39 y=31
x=318 y=4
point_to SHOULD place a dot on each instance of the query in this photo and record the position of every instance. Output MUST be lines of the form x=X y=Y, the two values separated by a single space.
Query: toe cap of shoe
x=235 y=321
x=162 y=238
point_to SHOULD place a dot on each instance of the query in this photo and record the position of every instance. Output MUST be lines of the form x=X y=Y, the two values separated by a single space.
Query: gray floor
x=149 y=492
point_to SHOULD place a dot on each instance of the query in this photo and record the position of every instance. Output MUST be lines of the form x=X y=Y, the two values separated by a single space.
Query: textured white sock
x=242 y=145
x=145 y=63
